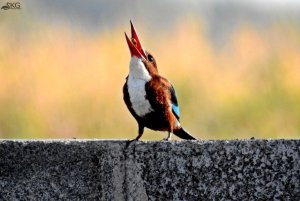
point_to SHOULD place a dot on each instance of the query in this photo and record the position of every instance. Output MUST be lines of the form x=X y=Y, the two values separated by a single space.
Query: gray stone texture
x=178 y=170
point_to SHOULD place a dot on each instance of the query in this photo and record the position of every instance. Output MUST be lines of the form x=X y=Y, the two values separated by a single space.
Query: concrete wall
x=108 y=170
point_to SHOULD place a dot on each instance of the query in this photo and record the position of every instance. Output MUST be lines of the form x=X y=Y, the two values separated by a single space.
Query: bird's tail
x=183 y=134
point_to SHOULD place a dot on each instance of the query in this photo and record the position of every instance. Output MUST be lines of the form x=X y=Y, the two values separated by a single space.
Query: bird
x=150 y=98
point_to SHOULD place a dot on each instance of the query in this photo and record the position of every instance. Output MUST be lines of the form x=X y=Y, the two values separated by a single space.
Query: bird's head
x=142 y=64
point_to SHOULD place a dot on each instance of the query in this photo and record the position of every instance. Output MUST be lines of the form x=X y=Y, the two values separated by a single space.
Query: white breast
x=138 y=77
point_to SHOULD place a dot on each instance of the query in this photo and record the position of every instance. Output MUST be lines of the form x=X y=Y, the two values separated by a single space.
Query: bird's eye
x=150 y=58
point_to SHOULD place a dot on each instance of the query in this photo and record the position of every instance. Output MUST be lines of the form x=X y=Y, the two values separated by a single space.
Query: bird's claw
x=129 y=142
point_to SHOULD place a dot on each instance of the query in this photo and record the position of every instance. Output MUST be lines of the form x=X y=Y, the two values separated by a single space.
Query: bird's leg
x=169 y=136
x=170 y=131
x=141 y=131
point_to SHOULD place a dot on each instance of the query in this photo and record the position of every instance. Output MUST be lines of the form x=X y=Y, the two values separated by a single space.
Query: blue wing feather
x=175 y=107
x=175 y=110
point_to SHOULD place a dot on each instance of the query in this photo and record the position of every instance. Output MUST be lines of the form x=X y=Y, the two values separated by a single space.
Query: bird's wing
x=175 y=107
x=161 y=93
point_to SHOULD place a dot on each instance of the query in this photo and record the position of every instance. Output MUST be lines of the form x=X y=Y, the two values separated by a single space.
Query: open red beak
x=134 y=44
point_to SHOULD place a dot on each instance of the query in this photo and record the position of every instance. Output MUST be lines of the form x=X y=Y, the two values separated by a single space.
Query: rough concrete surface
x=185 y=170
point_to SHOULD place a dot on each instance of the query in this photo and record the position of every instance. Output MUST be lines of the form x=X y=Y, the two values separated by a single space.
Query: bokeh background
x=235 y=66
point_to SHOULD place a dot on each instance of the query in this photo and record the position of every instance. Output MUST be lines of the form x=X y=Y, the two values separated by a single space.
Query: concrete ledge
x=107 y=170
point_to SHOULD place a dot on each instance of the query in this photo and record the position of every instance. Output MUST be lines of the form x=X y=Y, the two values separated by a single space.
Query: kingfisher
x=149 y=97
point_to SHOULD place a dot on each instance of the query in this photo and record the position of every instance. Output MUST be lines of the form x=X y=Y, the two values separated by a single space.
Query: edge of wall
x=149 y=170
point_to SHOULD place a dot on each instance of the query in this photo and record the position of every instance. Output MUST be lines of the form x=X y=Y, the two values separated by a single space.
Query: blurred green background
x=235 y=66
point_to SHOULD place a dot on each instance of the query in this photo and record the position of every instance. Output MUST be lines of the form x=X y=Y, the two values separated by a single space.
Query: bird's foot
x=130 y=141
x=169 y=137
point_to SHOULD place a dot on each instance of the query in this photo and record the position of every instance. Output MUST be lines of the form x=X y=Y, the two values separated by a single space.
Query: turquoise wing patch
x=175 y=110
